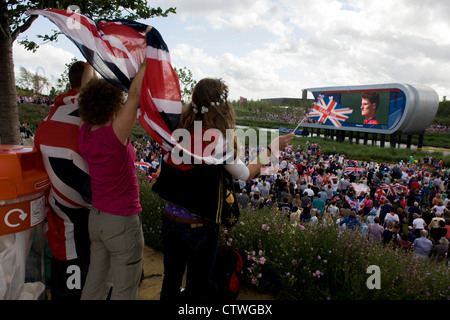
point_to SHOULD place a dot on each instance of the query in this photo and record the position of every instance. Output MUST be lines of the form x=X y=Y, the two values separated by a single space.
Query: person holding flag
x=115 y=224
x=190 y=237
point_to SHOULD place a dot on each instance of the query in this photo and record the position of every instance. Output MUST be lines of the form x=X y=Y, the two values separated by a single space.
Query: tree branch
x=23 y=27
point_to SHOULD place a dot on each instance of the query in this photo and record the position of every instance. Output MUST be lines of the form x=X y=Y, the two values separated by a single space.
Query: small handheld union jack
x=328 y=112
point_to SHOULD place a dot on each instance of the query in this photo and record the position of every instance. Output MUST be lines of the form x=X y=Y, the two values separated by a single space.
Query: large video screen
x=378 y=109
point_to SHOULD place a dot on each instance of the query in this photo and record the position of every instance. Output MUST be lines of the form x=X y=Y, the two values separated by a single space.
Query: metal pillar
x=408 y=141
x=420 y=144
x=393 y=140
x=340 y=135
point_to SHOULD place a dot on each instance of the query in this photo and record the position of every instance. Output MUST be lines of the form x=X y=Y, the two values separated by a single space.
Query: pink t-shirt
x=114 y=184
x=367 y=203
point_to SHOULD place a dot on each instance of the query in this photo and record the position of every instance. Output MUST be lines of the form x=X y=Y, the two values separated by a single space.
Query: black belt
x=193 y=222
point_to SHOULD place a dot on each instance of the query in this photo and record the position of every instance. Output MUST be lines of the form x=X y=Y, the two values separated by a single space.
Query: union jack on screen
x=328 y=112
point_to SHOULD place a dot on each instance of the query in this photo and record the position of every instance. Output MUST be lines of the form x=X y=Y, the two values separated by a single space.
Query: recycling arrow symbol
x=22 y=216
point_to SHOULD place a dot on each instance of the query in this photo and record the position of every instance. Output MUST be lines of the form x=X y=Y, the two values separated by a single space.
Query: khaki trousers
x=117 y=246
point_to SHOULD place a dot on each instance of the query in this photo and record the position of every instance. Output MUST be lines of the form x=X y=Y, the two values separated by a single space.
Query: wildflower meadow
x=325 y=261
x=315 y=262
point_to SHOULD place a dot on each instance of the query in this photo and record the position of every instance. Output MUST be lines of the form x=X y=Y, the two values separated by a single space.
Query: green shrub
x=152 y=211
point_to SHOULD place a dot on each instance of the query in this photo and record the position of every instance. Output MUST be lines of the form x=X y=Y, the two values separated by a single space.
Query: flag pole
x=298 y=125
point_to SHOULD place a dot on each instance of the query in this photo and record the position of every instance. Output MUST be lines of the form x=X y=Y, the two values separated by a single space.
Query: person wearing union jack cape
x=190 y=226
x=69 y=197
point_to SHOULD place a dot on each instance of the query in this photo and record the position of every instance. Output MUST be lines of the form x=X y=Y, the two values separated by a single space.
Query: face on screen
x=368 y=109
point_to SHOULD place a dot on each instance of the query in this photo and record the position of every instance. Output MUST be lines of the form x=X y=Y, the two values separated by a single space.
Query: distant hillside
x=32 y=114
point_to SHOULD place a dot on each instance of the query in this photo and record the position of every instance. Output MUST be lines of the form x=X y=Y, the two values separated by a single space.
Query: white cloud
x=48 y=61
x=362 y=42
x=237 y=15
x=256 y=72
x=323 y=42
x=275 y=48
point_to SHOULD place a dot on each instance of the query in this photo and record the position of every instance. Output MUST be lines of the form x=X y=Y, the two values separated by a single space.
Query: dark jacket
x=190 y=189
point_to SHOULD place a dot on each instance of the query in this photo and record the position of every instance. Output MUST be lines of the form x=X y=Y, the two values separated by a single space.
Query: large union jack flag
x=355 y=204
x=359 y=188
x=354 y=170
x=380 y=195
x=393 y=189
x=328 y=112
x=142 y=166
x=116 y=49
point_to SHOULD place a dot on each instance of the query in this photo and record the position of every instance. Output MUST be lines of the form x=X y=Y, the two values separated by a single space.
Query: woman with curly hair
x=115 y=227
x=190 y=235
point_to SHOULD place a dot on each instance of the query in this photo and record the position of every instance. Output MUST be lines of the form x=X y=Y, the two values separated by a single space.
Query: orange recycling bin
x=23 y=187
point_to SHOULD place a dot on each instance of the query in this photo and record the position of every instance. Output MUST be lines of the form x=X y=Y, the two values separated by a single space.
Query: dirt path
x=153 y=274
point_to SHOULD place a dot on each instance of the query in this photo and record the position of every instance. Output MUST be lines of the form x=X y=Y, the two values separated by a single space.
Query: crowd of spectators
x=25 y=130
x=284 y=116
x=148 y=153
x=34 y=99
x=311 y=187
x=440 y=128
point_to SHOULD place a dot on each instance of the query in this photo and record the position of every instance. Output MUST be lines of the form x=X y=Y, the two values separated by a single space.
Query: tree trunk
x=9 y=114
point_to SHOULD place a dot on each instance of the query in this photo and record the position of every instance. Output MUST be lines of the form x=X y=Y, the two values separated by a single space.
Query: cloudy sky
x=276 y=48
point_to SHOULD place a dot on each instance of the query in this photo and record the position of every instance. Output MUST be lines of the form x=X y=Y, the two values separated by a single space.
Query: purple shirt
x=114 y=184
x=376 y=231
